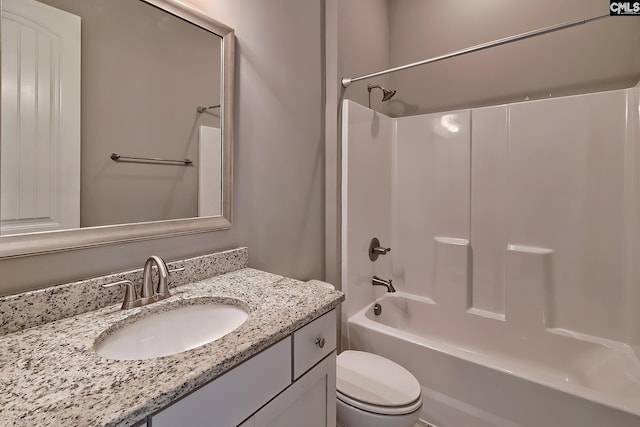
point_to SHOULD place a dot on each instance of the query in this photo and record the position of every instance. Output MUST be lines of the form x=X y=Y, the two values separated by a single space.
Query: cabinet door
x=309 y=402
x=231 y=398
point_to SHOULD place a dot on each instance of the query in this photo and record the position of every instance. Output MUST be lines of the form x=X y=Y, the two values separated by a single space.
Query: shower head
x=386 y=93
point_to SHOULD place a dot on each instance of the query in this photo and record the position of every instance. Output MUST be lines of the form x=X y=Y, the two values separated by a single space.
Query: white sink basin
x=169 y=332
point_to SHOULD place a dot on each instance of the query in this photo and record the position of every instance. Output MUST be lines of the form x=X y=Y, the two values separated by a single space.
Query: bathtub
x=477 y=372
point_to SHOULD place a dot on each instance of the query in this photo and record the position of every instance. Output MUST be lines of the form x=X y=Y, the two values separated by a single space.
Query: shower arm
x=386 y=93
x=346 y=82
x=203 y=109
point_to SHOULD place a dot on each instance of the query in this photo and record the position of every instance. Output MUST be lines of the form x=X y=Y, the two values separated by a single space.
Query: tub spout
x=376 y=281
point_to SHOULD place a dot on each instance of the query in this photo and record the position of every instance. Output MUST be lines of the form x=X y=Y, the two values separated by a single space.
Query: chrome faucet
x=148 y=293
x=376 y=281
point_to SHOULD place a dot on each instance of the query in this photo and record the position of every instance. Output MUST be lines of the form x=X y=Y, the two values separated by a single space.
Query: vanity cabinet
x=292 y=383
x=310 y=401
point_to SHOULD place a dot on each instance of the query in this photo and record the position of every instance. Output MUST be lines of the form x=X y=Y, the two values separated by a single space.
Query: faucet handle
x=130 y=295
x=380 y=250
x=375 y=249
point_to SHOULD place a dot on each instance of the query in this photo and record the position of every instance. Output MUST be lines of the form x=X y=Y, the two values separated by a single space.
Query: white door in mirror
x=171 y=332
x=40 y=118
x=209 y=171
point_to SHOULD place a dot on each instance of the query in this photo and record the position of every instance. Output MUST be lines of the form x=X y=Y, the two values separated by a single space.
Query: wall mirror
x=117 y=123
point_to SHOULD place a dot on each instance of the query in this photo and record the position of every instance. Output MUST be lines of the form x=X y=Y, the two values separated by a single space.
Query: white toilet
x=373 y=391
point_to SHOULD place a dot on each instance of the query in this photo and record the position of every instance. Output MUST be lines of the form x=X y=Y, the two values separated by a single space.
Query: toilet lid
x=374 y=380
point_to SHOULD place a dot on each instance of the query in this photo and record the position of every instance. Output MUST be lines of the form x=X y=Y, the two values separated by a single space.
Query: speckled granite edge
x=41 y=306
x=51 y=375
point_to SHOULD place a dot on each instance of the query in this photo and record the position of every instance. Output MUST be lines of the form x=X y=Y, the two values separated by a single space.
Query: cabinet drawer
x=313 y=342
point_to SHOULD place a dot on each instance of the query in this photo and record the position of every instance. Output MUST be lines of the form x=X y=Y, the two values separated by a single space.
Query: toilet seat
x=380 y=410
x=375 y=384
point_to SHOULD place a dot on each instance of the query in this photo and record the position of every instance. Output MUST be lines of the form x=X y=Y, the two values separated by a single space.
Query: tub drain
x=377 y=309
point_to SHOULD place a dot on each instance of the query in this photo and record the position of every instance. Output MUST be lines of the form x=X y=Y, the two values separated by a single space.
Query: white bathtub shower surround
x=368 y=160
x=469 y=200
x=430 y=209
x=518 y=224
x=470 y=375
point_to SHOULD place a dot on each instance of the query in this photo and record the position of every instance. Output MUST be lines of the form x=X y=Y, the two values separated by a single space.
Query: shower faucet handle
x=375 y=249
x=381 y=251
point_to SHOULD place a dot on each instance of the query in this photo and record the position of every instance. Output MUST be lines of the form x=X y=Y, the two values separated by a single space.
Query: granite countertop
x=51 y=376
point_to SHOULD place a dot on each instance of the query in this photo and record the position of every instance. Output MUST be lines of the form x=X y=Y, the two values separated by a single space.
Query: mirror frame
x=65 y=240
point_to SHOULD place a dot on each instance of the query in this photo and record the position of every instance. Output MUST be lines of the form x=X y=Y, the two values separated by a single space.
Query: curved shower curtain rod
x=347 y=81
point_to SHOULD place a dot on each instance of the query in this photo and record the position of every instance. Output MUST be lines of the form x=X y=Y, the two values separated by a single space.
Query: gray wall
x=143 y=75
x=601 y=55
x=356 y=41
x=278 y=157
x=363 y=47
